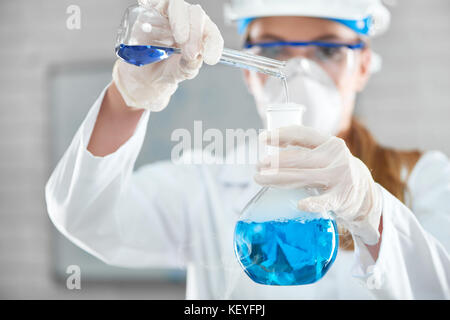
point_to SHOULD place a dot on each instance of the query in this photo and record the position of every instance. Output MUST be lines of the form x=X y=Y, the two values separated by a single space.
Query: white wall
x=405 y=106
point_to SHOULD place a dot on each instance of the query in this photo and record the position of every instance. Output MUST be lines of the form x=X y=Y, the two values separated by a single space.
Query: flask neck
x=283 y=115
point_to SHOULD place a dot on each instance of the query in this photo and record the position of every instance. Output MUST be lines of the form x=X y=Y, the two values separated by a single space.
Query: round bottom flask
x=276 y=243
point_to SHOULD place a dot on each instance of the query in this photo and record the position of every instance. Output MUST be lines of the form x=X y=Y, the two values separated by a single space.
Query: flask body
x=277 y=244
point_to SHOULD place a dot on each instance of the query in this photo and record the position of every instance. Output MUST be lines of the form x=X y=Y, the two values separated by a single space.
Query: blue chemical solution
x=286 y=252
x=142 y=55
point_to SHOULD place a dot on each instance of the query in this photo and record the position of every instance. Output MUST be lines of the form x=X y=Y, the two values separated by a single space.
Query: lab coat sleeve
x=413 y=261
x=124 y=218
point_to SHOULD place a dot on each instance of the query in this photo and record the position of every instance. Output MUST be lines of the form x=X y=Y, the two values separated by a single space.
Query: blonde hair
x=390 y=168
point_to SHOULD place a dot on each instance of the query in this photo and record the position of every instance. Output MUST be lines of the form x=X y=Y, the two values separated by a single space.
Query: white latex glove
x=186 y=27
x=326 y=163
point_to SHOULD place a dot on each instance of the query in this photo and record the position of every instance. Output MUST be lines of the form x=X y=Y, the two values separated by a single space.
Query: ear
x=364 y=68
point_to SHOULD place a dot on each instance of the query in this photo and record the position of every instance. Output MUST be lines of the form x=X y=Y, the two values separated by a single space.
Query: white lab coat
x=167 y=215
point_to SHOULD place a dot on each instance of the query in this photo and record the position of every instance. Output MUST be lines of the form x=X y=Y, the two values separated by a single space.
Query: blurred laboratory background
x=51 y=74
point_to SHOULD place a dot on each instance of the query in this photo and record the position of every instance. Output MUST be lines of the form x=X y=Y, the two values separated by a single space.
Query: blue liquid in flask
x=142 y=55
x=286 y=252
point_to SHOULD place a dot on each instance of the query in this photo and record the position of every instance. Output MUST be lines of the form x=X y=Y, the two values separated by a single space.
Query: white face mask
x=310 y=86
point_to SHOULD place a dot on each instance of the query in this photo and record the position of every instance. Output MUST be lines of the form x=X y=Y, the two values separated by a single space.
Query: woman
x=167 y=215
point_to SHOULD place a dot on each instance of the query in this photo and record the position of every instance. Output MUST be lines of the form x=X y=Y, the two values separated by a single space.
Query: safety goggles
x=334 y=57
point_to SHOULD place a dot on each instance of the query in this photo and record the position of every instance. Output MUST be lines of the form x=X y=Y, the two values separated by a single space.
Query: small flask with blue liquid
x=275 y=242
x=144 y=37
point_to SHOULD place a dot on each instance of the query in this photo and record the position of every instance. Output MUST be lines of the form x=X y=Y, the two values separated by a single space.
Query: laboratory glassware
x=144 y=37
x=275 y=242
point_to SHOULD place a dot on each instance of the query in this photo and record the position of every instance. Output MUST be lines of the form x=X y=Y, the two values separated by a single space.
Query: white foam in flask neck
x=283 y=115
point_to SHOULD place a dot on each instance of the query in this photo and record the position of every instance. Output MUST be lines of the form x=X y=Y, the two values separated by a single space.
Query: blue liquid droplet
x=142 y=55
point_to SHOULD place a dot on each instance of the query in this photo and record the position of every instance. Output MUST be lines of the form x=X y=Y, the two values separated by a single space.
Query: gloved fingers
x=179 y=19
x=159 y=5
x=293 y=178
x=293 y=135
x=188 y=69
x=194 y=46
x=135 y=90
x=299 y=157
x=151 y=3
x=321 y=203
x=331 y=155
x=212 y=42
x=189 y=23
x=325 y=178
x=204 y=37
x=151 y=29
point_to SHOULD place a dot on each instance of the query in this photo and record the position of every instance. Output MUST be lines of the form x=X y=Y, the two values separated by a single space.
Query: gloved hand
x=325 y=162
x=186 y=27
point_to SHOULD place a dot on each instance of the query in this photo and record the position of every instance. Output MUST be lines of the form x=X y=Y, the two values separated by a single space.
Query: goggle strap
x=358 y=45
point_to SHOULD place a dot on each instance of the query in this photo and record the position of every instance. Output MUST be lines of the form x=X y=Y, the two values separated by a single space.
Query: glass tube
x=249 y=61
